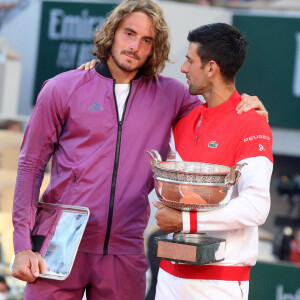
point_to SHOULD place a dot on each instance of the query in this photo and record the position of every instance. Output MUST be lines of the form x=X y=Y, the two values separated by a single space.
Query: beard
x=192 y=90
x=125 y=67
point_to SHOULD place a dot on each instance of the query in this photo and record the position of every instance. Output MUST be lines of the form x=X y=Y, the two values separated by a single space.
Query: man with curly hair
x=96 y=127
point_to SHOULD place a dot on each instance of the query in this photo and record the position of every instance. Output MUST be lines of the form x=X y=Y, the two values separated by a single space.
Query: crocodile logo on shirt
x=212 y=144
x=95 y=107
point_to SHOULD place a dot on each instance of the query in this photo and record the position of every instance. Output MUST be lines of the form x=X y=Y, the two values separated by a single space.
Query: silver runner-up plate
x=56 y=235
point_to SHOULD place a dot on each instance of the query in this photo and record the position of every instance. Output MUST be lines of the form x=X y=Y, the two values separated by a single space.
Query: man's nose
x=184 y=68
x=134 y=46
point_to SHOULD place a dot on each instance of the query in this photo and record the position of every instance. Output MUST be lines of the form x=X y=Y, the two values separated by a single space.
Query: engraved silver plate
x=62 y=241
x=59 y=229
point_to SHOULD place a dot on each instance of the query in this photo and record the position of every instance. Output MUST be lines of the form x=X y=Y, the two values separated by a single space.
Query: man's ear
x=212 y=68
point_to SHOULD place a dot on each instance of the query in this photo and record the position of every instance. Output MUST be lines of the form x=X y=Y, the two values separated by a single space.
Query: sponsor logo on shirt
x=256 y=137
x=212 y=144
x=95 y=107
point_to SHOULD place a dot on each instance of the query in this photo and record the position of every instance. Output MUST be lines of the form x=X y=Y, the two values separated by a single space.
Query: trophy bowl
x=192 y=186
x=190 y=197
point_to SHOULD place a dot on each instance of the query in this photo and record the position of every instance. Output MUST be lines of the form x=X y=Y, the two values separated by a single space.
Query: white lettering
x=255 y=137
x=66 y=56
x=279 y=292
x=85 y=54
x=280 y=295
x=296 y=82
x=73 y=27
x=55 y=22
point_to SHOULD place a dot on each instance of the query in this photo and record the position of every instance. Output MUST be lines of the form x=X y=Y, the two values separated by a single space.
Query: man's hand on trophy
x=28 y=266
x=168 y=219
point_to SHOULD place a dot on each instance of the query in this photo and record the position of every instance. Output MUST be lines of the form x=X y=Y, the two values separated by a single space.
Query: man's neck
x=119 y=75
x=218 y=94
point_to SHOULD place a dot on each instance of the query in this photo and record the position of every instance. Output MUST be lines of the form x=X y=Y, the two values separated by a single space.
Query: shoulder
x=252 y=122
x=254 y=136
x=189 y=118
x=177 y=92
x=170 y=82
x=68 y=82
x=57 y=91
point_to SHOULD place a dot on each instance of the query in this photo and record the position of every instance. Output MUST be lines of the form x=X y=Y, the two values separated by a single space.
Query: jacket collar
x=102 y=69
x=221 y=109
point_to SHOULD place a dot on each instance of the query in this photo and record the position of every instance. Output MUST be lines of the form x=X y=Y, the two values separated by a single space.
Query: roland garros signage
x=66 y=36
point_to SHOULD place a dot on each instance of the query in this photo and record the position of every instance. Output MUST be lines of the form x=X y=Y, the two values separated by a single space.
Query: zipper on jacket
x=198 y=126
x=115 y=170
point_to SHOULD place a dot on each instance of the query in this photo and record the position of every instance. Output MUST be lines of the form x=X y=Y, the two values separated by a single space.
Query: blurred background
x=39 y=39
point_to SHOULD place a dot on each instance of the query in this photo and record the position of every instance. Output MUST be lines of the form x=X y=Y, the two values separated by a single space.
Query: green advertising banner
x=272 y=67
x=274 y=281
x=66 y=36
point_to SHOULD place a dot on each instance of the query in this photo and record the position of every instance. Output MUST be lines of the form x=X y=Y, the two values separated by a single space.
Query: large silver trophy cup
x=192 y=186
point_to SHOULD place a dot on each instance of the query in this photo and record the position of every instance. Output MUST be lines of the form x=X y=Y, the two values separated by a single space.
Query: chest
x=210 y=140
x=92 y=118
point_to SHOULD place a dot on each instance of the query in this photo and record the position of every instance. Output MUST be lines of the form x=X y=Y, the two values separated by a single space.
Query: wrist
x=189 y=221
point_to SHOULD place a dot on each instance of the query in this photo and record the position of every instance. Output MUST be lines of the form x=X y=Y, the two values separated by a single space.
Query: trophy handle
x=234 y=174
x=156 y=158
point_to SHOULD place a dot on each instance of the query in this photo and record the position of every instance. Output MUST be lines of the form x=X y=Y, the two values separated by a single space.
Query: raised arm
x=248 y=102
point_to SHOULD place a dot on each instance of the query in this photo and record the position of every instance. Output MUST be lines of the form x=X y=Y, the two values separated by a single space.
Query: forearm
x=249 y=206
x=28 y=183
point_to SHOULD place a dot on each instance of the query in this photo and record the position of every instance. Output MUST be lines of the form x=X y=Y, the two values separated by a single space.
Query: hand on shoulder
x=88 y=65
x=250 y=102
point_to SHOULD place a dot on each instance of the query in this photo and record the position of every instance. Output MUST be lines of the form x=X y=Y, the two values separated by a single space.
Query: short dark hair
x=223 y=44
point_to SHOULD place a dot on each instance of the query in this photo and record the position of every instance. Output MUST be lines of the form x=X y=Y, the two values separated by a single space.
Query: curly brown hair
x=104 y=37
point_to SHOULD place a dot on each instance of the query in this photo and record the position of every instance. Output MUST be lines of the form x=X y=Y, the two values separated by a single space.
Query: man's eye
x=129 y=33
x=147 y=41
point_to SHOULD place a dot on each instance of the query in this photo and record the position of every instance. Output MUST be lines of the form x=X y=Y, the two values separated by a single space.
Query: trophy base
x=198 y=252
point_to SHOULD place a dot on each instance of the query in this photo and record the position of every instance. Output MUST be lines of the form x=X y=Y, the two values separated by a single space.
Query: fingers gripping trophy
x=192 y=186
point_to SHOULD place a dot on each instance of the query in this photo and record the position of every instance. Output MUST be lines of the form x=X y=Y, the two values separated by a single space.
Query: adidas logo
x=95 y=107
